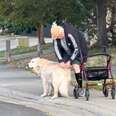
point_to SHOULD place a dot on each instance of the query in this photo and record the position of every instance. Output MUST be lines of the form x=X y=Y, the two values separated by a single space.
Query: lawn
x=19 y=51
x=23 y=50
x=48 y=52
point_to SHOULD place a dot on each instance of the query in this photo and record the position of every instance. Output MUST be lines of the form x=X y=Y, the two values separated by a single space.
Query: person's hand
x=62 y=65
x=68 y=64
x=65 y=65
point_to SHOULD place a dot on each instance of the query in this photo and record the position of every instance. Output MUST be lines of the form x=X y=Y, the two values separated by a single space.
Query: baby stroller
x=97 y=73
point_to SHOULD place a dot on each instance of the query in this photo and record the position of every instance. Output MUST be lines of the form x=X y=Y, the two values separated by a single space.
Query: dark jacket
x=67 y=48
x=73 y=46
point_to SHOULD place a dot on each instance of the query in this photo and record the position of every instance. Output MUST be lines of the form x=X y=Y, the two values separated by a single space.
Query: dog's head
x=36 y=64
x=33 y=63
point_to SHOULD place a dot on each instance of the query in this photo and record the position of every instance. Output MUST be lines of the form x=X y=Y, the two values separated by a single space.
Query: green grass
x=111 y=50
x=48 y=47
x=100 y=59
x=19 y=51
x=2 y=53
x=25 y=50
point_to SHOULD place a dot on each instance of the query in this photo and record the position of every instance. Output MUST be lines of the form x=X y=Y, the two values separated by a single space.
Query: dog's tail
x=64 y=87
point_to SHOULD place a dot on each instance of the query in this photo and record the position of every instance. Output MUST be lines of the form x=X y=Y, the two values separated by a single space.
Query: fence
x=8 y=43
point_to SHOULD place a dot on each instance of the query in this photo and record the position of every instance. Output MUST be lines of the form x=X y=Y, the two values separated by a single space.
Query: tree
x=34 y=12
x=101 y=22
x=38 y=13
x=112 y=23
x=74 y=11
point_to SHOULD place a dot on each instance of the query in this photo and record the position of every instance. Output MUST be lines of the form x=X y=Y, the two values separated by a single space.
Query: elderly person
x=66 y=48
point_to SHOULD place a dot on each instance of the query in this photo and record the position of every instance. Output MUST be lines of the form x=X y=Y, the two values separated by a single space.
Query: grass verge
x=49 y=54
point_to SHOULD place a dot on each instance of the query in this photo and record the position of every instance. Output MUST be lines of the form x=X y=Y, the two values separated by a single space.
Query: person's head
x=57 y=32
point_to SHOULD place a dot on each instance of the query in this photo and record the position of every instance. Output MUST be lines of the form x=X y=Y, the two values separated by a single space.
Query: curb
x=10 y=93
x=59 y=107
x=46 y=105
x=20 y=98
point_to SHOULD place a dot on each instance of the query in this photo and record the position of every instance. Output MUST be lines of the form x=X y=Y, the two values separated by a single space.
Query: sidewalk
x=24 y=88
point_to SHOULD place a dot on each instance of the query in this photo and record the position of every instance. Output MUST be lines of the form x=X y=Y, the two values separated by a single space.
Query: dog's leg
x=55 y=93
x=51 y=89
x=45 y=87
x=55 y=86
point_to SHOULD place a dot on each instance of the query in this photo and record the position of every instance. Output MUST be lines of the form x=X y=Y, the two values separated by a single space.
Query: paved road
x=24 y=88
x=19 y=80
x=8 y=109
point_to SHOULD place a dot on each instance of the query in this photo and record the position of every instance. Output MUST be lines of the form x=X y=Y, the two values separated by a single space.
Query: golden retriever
x=51 y=74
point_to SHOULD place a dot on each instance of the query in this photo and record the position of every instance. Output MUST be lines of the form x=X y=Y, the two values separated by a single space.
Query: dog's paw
x=43 y=95
x=50 y=94
x=54 y=97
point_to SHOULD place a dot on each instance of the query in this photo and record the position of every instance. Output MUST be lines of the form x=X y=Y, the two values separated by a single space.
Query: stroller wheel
x=76 y=92
x=113 y=92
x=87 y=94
x=105 y=91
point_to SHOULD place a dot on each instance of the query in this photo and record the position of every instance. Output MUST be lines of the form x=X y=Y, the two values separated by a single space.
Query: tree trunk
x=101 y=23
x=42 y=35
x=113 y=25
x=8 y=50
x=40 y=39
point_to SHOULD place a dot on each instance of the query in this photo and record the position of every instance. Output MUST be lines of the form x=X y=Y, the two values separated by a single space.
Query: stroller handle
x=100 y=54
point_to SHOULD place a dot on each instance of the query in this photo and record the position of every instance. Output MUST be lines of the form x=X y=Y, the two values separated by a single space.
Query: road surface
x=8 y=109
x=24 y=88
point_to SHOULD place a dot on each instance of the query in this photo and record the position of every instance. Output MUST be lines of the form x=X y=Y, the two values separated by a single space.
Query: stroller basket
x=96 y=73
